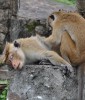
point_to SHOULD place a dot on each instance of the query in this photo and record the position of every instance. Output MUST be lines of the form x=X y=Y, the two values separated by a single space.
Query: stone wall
x=4 y=6
x=8 y=10
x=42 y=82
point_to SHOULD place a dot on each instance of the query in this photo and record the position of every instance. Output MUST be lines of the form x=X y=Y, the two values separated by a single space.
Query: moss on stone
x=31 y=26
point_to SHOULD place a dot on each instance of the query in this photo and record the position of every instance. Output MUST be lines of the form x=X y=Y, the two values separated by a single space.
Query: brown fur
x=68 y=27
x=69 y=32
x=31 y=50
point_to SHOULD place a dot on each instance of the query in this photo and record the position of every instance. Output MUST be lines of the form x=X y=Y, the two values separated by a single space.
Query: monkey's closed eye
x=52 y=17
x=11 y=57
x=16 y=44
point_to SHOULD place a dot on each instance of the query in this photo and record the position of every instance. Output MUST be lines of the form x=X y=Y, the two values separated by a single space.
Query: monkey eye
x=11 y=57
x=52 y=17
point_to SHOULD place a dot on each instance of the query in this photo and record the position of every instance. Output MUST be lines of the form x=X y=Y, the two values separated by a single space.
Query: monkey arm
x=55 y=59
x=69 y=50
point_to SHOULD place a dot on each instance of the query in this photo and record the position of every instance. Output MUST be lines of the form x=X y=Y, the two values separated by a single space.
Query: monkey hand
x=68 y=67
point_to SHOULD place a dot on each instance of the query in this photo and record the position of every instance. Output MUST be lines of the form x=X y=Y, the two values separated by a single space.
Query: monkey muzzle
x=49 y=28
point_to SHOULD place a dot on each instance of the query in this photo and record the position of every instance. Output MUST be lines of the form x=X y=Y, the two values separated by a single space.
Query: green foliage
x=3 y=82
x=3 y=95
x=70 y=2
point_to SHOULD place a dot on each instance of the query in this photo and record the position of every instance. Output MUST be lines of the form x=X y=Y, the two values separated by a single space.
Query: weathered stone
x=4 y=4
x=14 y=96
x=1 y=15
x=21 y=28
x=30 y=16
x=14 y=29
x=25 y=28
x=40 y=9
x=41 y=30
x=2 y=37
x=43 y=22
x=4 y=73
x=18 y=29
x=43 y=82
x=3 y=28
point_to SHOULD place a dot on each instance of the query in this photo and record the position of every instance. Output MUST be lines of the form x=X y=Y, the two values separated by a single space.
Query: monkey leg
x=68 y=49
x=70 y=53
x=55 y=59
x=65 y=56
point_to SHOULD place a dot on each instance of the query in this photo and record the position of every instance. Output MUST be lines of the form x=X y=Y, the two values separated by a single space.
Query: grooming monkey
x=68 y=27
x=68 y=33
x=29 y=50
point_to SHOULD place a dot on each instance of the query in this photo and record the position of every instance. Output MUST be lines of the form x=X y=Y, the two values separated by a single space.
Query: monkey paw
x=68 y=68
x=68 y=71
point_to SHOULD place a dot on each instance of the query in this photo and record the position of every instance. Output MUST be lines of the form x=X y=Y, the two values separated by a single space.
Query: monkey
x=73 y=24
x=29 y=50
x=68 y=34
x=71 y=52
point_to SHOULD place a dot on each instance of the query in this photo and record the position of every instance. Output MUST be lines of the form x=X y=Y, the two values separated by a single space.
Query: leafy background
x=4 y=92
x=70 y=2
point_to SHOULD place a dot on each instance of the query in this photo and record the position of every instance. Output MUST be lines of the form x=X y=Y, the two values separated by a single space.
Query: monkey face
x=55 y=17
x=13 y=55
x=52 y=19
x=16 y=56
x=16 y=60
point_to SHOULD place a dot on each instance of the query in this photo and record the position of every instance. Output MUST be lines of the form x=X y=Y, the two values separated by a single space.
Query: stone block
x=42 y=82
x=3 y=28
x=4 y=4
x=4 y=73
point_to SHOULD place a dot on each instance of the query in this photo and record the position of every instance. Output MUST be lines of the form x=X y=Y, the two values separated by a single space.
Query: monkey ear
x=52 y=17
x=16 y=44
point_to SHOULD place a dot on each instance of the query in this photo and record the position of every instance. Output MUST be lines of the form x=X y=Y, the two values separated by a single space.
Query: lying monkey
x=29 y=50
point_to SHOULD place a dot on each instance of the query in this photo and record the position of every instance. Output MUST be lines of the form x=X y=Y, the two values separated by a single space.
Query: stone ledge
x=4 y=4
x=4 y=73
x=41 y=82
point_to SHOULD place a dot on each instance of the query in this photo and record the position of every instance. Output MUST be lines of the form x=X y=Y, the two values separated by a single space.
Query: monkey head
x=13 y=55
x=61 y=16
x=53 y=18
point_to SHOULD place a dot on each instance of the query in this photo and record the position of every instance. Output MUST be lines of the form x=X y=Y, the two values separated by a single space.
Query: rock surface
x=32 y=13
x=40 y=9
x=32 y=17
x=42 y=82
